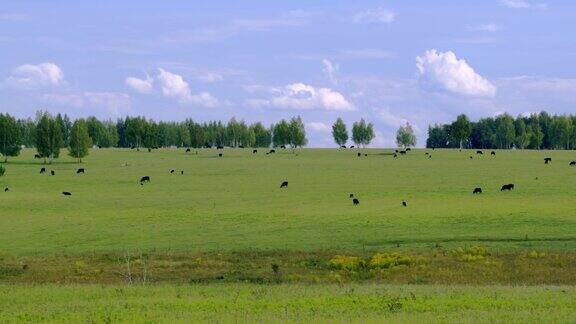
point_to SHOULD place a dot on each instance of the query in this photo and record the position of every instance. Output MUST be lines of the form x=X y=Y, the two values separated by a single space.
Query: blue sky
x=390 y=62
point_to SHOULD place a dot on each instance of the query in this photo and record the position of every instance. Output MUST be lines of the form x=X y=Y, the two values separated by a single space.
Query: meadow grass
x=234 y=203
x=286 y=303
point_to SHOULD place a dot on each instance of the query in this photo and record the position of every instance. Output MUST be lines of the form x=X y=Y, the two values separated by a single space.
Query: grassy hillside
x=234 y=203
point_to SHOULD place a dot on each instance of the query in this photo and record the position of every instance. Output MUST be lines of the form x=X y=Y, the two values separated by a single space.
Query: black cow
x=6 y=189
x=284 y=184
x=208 y=146
x=182 y=172
x=144 y=179
x=426 y=153
x=52 y=172
x=433 y=148
x=402 y=152
x=429 y=156
x=547 y=160
x=36 y=156
x=351 y=146
x=492 y=153
x=219 y=154
x=477 y=191
x=355 y=201
x=573 y=163
x=342 y=146
x=219 y=147
x=471 y=157
x=479 y=152
x=240 y=146
x=81 y=170
x=404 y=203
x=508 y=187
x=359 y=154
x=66 y=193
x=254 y=151
x=188 y=150
x=171 y=171
x=149 y=150
x=42 y=170
x=351 y=196
x=365 y=154
x=395 y=155
x=408 y=149
x=283 y=146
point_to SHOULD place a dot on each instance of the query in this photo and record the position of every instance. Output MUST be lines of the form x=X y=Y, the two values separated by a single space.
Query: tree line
x=536 y=131
x=49 y=133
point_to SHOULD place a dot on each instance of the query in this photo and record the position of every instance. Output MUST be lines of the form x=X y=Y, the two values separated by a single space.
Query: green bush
x=470 y=254
x=344 y=262
x=536 y=255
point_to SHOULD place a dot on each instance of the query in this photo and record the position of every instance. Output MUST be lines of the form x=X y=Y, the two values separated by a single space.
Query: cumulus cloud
x=523 y=4
x=378 y=15
x=173 y=85
x=491 y=28
x=303 y=96
x=330 y=69
x=33 y=76
x=444 y=71
x=319 y=127
x=140 y=85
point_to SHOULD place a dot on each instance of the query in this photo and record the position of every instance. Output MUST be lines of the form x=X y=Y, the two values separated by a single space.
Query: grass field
x=287 y=303
x=234 y=203
x=223 y=243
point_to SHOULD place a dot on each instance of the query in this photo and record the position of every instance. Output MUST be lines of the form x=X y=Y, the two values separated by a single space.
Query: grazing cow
x=66 y=193
x=359 y=154
x=547 y=160
x=219 y=154
x=284 y=184
x=351 y=146
x=426 y=153
x=283 y=146
x=208 y=146
x=404 y=203
x=395 y=155
x=351 y=196
x=365 y=154
x=471 y=157
x=271 y=151
x=6 y=189
x=144 y=179
x=52 y=172
x=429 y=156
x=171 y=171
x=408 y=149
x=355 y=201
x=342 y=146
x=402 y=152
x=240 y=146
x=42 y=170
x=182 y=172
x=254 y=151
x=219 y=147
x=480 y=152
x=573 y=163
x=508 y=187
x=492 y=153
x=188 y=150
x=149 y=150
x=36 y=156
x=396 y=151
x=477 y=191
x=81 y=170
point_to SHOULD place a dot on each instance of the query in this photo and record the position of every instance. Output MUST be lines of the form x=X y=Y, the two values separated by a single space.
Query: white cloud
x=140 y=85
x=330 y=69
x=523 y=4
x=174 y=86
x=14 y=17
x=491 y=28
x=300 y=96
x=319 y=127
x=365 y=53
x=444 y=71
x=390 y=119
x=114 y=103
x=379 y=15
x=32 y=76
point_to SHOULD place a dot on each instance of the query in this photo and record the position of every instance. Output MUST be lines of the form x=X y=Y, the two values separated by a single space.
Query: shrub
x=389 y=260
x=470 y=254
x=344 y=262
x=536 y=255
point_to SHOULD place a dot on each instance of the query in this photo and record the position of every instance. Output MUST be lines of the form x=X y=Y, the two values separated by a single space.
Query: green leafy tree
x=461 y=129
x=297 y=133
x=9 y=136
x=48 y=137
x=505 y=131
x=262 y=136
x=362 y=133
x=80 y=141
x=405 y=136
x=281 y=133
x=339 y=132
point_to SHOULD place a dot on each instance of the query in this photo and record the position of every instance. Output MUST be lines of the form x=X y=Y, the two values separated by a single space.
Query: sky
x=389 y=62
